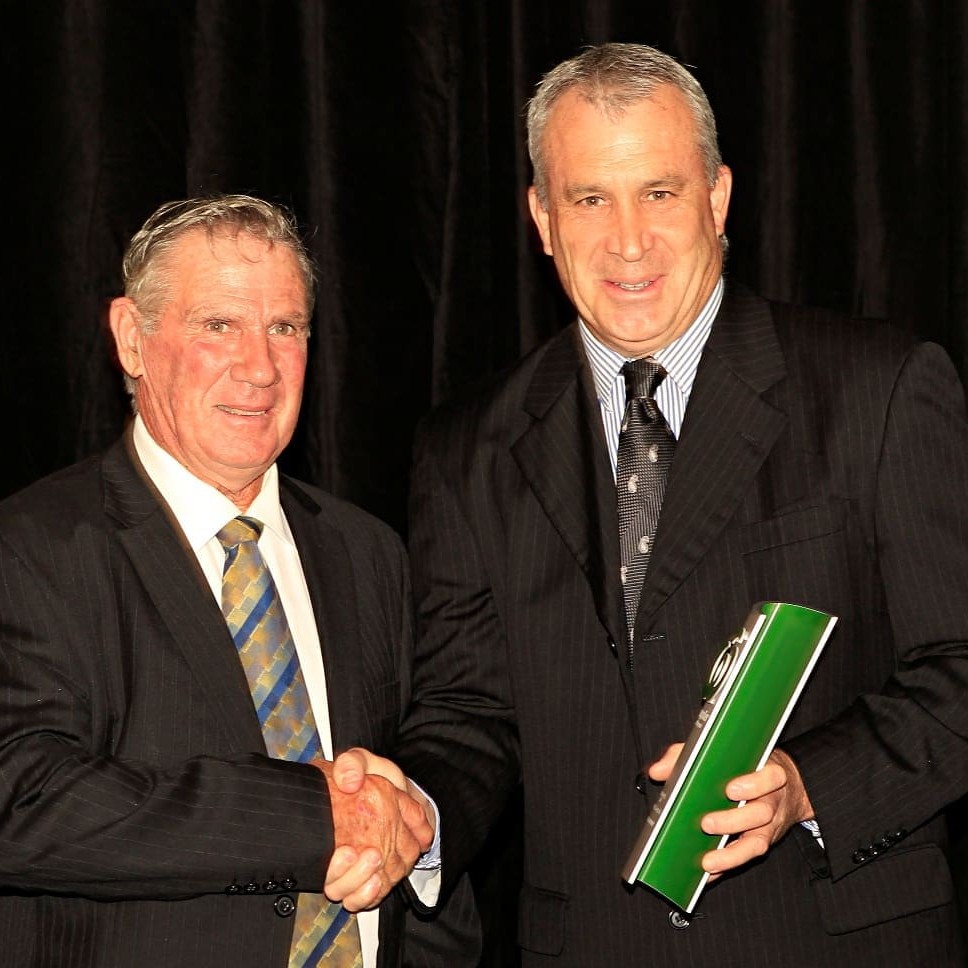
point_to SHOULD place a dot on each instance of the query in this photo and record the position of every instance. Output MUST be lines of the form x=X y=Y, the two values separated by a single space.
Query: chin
x=247 y=461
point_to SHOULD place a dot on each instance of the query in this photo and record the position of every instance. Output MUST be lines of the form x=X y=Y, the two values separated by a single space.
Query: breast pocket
x=800 y=557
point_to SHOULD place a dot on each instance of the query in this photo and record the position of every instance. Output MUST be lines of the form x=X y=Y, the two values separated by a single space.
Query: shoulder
x=817 y=360
x=57 y=501
x=498 y=405
x=818 y=331
x=809 y=332
x=308 y=506
x=837 y=352
x=346 y=549
x=59 y=525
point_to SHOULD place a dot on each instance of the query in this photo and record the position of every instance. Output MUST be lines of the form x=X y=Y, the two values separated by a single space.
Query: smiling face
x=220 y=375
x=631 y=220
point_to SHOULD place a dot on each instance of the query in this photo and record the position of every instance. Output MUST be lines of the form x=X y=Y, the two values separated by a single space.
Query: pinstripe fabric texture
x=257 y=623
x=134 y=783
x=821 y=460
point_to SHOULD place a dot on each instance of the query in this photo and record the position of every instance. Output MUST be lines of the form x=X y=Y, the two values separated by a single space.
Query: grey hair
x=146 y=281
x=613 y=77
x=143 y=270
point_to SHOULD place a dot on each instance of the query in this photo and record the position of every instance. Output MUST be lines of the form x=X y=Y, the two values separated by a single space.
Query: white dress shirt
x=201 y=512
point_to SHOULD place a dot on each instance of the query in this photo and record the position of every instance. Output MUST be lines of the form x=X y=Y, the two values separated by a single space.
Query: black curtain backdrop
x=395 y=132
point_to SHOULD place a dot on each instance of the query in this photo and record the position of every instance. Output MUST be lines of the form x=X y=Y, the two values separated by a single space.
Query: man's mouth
x=239 y=412
x=634 y=286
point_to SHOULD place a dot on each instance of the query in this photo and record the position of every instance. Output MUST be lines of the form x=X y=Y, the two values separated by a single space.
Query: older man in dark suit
x=166 y=792
x=795 y=456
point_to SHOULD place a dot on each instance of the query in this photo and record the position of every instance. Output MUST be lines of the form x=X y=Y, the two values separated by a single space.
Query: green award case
x=752 y=689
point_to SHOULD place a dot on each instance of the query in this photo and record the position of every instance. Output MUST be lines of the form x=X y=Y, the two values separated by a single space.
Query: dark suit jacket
x=141 y=823
x=822 y=461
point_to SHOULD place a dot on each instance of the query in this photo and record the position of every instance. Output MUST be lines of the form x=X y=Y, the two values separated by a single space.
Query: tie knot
x=239 y=530
x=642 y=378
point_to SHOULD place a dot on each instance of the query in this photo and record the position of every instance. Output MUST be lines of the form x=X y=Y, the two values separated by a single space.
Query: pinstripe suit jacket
x=821 y=461
x=134 y=786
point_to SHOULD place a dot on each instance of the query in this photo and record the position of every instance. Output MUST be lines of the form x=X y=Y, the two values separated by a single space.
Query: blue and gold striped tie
x=323 y=933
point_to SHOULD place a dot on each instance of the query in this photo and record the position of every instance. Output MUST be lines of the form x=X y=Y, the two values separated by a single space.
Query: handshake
x=381 y=825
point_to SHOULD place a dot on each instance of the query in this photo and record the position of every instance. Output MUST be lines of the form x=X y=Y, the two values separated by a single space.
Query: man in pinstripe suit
x=818 y=460
x=141 y=822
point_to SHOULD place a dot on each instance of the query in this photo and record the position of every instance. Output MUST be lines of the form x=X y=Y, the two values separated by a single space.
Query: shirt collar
x=680 y=358
x=200 y=509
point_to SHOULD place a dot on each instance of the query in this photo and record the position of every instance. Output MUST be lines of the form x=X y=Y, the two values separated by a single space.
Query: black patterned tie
x=645 y=450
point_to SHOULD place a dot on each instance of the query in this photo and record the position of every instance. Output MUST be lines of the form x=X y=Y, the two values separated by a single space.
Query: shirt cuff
x=426 y=877
x=814 y=829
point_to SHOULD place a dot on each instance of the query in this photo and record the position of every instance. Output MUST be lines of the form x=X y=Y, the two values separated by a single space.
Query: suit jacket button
x=859 y=855
x=251 y=888
x=284 y=906
x=233 y=889
x=288 y=884
x=679 y=920
x=642 y=783
x=270 y=887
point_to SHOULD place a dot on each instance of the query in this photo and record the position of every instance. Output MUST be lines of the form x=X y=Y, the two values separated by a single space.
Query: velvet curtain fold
x=397 y=137
x=395 y=132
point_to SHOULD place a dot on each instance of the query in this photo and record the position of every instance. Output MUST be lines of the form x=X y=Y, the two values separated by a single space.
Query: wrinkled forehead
x=227 y=245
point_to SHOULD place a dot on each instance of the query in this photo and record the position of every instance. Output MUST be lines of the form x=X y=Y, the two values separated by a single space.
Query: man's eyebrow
x=673 y=180
x=200 y=313
x=573 y=192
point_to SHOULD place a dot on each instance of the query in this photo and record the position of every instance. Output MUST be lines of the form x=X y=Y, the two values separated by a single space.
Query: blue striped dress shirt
x=680 y=360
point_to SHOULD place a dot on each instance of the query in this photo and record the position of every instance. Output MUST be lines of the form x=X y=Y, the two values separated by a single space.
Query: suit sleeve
x=893 y=760
x=458 y=740
x=88 y=804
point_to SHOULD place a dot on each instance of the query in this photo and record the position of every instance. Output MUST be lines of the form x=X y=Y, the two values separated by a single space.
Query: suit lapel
x=728 y=431
x=328 y=570
x=173 y=581
x=562 y=456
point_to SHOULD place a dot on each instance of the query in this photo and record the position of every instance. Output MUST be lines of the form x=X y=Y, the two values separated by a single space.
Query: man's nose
x=254 y=363
x=631 y=235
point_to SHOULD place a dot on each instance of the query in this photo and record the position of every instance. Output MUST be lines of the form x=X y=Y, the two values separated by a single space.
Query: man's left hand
x=775 y=800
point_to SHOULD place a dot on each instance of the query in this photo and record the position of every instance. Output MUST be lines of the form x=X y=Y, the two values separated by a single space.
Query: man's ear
x=125 y=323
x=541 y=218
x=719 y=196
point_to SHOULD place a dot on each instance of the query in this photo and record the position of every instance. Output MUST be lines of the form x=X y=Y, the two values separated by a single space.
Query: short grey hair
x=144 y=267
x=144 y=274
x=613 y=77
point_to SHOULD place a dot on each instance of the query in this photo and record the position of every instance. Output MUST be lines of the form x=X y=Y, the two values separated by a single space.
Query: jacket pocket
x=897 y=884
x=541 y=920
x=804 y=524
x=803 y=557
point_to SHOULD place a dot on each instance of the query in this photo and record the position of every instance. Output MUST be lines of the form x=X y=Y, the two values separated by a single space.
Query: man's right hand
x=379 y=832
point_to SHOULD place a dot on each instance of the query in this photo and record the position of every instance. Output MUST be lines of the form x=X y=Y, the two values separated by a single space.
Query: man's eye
x=282 y=329
x=592 y=201
x=216 y=326
x=660 y=195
